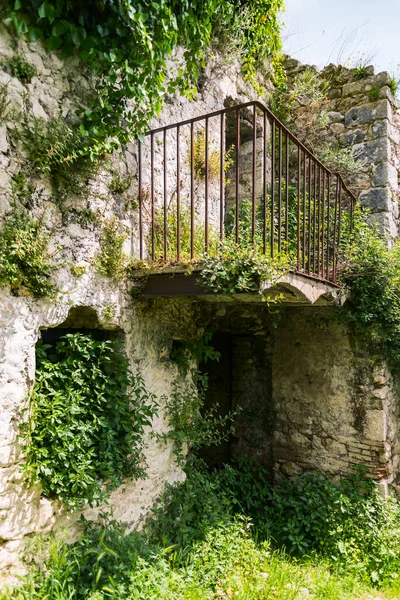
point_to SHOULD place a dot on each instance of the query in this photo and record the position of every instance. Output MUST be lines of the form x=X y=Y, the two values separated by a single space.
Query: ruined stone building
x=312 y=396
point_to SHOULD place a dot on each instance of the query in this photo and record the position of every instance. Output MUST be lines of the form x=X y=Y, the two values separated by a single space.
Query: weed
x=374 y=93
x=77 y=270
x=120 y=183
x=4 y=103
x=360 y=72
x=111 y=261
x=214 y=159
x=108 y=312
x=22 y=69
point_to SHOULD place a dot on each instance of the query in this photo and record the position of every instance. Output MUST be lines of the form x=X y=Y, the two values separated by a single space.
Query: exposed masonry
x=329 y=407
x=371 y=129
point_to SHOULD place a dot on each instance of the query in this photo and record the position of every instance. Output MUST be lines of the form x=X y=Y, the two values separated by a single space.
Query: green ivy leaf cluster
x=25 y=260
x=127 y=44
x=87 y=414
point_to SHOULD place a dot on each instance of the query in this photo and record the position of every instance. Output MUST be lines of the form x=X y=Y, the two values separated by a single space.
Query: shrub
x=369 y=270
x=87 y=414
x=24 y=254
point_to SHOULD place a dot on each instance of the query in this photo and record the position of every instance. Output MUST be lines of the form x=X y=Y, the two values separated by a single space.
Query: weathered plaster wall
x=363 y=115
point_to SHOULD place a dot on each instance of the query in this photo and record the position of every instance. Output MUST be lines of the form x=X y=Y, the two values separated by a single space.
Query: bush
x=87 y=415
x=370 y=271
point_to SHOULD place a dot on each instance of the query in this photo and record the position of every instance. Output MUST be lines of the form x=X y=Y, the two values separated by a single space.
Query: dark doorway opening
x=241 y=379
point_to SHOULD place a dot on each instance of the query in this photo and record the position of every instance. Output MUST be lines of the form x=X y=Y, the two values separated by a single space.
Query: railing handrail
x=267 y=111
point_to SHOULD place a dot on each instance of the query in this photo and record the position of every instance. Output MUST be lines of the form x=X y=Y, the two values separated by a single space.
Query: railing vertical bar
x=280 y=190
x=178 y=192
x=192 y=190
x=287 y=193
x=319 y=221
x=314 y=216
x=206 y=191
x=265 y=184
x=222 y=176
x=323 y=222
x=339 y=227
x=299 y=156
x=310 y=172
x=328 y=224
x=334 y=249
x=253 y=198
x=140 y=201
x=152 y=194
x=304 y=209
x=237 y=174
x=272 y=187
x=165 y=197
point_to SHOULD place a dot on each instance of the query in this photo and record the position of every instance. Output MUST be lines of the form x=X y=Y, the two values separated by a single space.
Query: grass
x=219 y=536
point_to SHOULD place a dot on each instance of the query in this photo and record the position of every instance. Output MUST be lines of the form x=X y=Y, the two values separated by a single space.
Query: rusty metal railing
x=239 y=174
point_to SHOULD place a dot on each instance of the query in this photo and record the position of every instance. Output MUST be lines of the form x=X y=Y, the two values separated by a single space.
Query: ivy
x=87 y=415
x=127 y=44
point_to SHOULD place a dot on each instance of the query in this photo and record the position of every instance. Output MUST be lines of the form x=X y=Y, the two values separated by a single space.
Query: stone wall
x=336 y=406
x=362 y=114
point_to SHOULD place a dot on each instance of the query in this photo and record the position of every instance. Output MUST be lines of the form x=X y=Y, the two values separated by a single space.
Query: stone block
x=363 y=86
x=374 y=151
x=384 y=174
x=335 y=117
x=376 y=199
x=352 y=137
x=375 y=425
x=367 y=113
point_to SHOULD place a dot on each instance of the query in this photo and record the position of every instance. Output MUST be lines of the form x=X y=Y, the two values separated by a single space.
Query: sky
x=322 y=31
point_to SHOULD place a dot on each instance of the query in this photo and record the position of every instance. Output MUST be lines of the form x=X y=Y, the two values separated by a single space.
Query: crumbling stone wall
x=363 y=115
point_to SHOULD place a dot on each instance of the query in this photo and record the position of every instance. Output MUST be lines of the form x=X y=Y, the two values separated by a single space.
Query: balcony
x=237 y=174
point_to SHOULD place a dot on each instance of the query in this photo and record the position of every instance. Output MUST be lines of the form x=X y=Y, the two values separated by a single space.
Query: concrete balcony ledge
x=292 y=288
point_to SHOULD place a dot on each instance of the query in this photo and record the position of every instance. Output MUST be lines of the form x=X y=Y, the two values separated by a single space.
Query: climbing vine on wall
x=127 y=44
x=87 y=415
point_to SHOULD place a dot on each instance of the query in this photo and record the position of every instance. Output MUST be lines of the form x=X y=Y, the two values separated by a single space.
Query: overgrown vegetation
x=241 y=265
x=58 y=149
x=201 y=543
x=192 y=427
x=87 y=413
x=111 y=260
x=213 y=168
x=20 y=68
x=370 y=272
x=25 y=259
x=127 y=44
x=301 y=105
